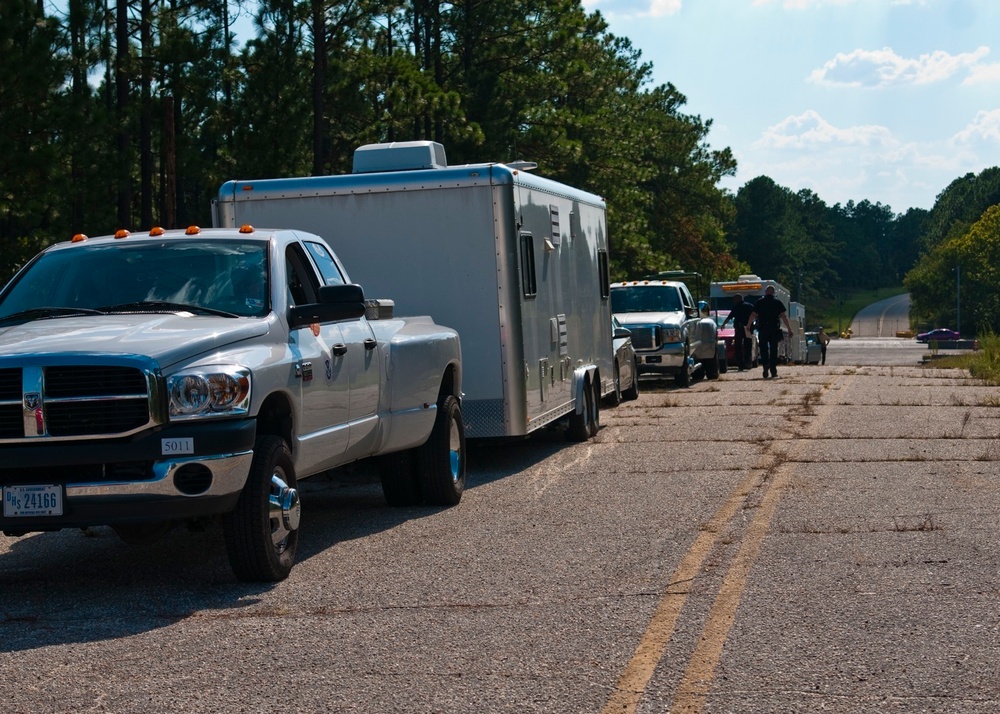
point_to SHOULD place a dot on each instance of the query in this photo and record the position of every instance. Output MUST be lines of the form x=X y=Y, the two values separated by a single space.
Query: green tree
x=33 y=68
x=960 y=205
x=968 y=262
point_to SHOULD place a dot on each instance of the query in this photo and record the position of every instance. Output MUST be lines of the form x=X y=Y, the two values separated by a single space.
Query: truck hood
x=670 y=319
x=167 y=338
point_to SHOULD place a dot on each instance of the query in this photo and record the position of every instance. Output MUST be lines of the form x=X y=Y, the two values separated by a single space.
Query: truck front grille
x=73 y=401
x=645 y=337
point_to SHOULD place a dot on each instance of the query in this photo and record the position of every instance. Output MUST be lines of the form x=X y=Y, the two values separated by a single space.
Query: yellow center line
x=694 y=685
x=632 y=684
x=701 y=667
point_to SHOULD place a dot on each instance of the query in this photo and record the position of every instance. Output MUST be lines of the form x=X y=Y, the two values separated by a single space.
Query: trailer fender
x=584 y=377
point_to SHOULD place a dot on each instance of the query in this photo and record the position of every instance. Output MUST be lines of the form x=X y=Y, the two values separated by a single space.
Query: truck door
x=323 y=428
x=358 y=351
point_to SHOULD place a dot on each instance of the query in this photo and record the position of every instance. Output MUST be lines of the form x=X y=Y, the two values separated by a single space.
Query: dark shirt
x=769 y=310
x=740 y=314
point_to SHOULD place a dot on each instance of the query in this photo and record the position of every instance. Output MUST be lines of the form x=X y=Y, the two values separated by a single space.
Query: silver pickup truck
x=149 y=379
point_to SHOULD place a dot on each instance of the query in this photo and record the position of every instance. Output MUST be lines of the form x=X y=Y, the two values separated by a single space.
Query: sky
x=881 y=100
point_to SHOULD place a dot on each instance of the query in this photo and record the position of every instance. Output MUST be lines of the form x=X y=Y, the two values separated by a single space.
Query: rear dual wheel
x=433 y=473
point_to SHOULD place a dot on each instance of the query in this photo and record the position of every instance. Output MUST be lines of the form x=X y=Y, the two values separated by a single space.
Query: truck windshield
x=645 y=298
x=224 y=276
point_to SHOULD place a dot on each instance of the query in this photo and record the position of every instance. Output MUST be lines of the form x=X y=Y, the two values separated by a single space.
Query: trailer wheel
x=580 y=424
x=262 y=532
x=398 y=474
x=441 y=459
x=595 y=414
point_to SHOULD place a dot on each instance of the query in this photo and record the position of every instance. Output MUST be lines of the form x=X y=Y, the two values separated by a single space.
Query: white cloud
x=624 y=9
x=983 y=74
x=805 y=4
x=985 y=127
x=883 y=68
x=809 y=131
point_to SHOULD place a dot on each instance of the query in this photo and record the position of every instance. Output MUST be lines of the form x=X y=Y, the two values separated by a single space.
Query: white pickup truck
x=149 y=379
x=671 y=334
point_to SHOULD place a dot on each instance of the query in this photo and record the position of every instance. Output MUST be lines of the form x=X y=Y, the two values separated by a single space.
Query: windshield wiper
x=164 y=306
x=46 y=313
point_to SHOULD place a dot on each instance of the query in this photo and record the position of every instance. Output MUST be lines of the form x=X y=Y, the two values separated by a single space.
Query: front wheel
x=262 y=532
x=615 y=397
x=441 y=459
x=683 y=378
x=632 y=392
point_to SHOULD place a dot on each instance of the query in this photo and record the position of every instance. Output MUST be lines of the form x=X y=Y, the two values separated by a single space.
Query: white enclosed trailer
x=752 y=287
x=516 y=263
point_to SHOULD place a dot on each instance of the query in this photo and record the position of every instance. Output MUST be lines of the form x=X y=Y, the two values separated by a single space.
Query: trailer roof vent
x=399 y=156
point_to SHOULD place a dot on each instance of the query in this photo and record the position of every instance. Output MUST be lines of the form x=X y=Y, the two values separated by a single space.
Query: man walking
x=824 y=340
x=769 y=312
x=742 y=343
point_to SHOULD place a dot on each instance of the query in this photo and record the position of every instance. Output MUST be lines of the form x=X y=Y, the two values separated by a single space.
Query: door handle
x=339 y=349
x=371 y=344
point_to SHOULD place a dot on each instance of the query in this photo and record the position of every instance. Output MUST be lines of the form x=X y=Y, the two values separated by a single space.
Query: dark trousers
x=742 y=346
x=822 y=352
x=769 y=351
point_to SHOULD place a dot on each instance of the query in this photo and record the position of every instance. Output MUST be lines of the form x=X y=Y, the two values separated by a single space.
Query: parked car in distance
x=938 y=334
x=728 y=335
x=626 y=366
x=814 y=351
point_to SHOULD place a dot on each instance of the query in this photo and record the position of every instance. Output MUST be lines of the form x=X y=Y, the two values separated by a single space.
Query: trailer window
x=529 y=284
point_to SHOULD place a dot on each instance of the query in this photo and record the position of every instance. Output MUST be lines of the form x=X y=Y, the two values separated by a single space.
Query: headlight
x=670 y=334
x=213 y=391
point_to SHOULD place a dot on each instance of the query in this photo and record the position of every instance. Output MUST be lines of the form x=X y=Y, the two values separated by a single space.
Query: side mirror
x=336 y=302
x=622 y=332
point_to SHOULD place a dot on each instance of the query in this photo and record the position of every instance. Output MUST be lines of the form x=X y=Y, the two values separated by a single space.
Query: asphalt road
x=826 y=541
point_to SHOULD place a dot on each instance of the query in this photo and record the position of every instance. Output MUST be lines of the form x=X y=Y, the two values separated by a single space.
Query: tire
x=580 y=424
x=711 y=367
x=441 y=460
x=398 y=474
x=723 y=365
x=615 y=398
x=632 y=393
x=262 y=532
x=683 y=378
x=595 y=414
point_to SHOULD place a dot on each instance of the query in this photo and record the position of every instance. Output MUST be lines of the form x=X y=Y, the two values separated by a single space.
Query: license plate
x=21 y=501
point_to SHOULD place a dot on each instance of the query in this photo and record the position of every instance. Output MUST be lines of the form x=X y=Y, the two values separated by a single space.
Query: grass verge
x=982 y=364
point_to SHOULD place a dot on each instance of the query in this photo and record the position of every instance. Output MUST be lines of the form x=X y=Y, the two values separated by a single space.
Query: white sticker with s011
x=169 y=447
